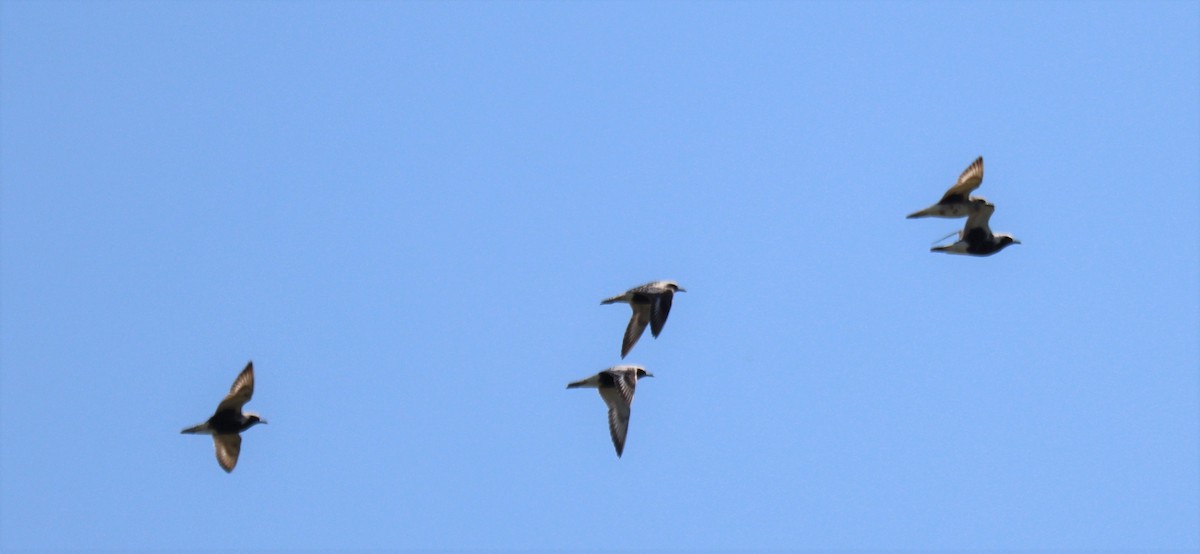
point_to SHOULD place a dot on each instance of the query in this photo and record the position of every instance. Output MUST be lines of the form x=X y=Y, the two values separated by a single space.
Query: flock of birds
x=651 y=303
x=976 y=237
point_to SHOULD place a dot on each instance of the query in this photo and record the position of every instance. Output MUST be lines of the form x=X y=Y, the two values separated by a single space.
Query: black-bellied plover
x=976 y=237
x=616 y=385
x=228 y=421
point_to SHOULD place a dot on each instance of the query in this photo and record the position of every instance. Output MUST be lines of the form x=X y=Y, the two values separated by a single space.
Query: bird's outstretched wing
x=637 y=325
x=970 y=180
x=228 y=449
x=240 y=392
x=977 y=223
x=618 y=414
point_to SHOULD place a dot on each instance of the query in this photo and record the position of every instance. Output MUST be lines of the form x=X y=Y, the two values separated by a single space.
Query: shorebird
x=956 y=202
x=976 y=237
x=229 y=420
x=651 y=303
x=616 y=386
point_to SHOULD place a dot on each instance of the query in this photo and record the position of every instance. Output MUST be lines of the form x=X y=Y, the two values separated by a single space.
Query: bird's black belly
x=226 y=422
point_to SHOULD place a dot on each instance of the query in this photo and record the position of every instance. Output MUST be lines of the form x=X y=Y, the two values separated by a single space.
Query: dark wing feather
x=637 y=325
x=618 y=417
x=659 y=311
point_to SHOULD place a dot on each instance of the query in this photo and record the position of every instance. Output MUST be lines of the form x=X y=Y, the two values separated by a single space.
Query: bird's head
x=1006 y=240
x=641 y=372
x=253 y=419
x=675 y=286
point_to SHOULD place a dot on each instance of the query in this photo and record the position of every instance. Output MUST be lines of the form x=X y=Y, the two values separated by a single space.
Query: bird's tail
x=956 y=248
x=201 y=429
x=592 y=382
x=932 y=210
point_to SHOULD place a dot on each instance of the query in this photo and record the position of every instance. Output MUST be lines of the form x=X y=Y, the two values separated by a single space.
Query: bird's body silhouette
x=616 y=385
x=976 y=238
x=957 y=201
x=228 y=422
x=651 y=304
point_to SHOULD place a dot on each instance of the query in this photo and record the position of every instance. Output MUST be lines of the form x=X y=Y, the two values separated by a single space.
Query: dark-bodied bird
x=976 y=237
x=957 y=202
x=651 y=304
x=226 y=424
x=616 y=386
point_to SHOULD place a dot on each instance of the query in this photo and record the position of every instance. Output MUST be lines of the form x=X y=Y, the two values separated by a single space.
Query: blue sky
x=407 y=213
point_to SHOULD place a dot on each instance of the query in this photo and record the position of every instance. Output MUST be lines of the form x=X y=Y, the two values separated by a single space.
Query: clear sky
x=406 y=213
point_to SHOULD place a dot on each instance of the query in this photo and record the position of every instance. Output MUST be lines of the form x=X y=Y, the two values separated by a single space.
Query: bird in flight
x=228 y=421
x=616 y=385
x=976 y=237
x=651 y=304
x=957 y=202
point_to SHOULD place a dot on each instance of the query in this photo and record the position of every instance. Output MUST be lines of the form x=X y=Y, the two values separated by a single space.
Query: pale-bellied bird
x=651 y=303
x=957 y=202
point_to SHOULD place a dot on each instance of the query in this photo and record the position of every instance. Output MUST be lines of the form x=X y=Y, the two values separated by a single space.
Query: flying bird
x=957 y=202
x=976 y=237
x=651 y=303
x=228 y=421
x=616 y=386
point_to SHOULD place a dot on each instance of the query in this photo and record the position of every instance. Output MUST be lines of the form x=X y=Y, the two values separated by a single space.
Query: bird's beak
x=681 y=289
x=648 y=374
x=262 y=420
x=1015 y=241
